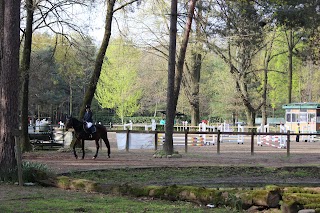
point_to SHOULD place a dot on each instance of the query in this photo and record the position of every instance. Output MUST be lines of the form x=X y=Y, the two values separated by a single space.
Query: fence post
x=186 y=140
x=156 y=141
x=63 y=134
x=127 y=140
x=17 y=134
x=252 y=142
x=288 y=143
x=218 y=143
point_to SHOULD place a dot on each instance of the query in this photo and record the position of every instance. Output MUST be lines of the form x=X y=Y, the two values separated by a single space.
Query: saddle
x=90 y=130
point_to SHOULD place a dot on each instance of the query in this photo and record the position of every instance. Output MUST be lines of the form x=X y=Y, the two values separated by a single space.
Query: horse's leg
x=106 y=141
x=74 y=149
x=97 y=150
x=82 y=145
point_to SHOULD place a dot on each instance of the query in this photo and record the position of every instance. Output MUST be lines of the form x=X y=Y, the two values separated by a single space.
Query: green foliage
x=66 y=57
x=292 y=14
x=278 y=76
x=31 y=172
x=117 y=87
x=58 y=74
x=233 y=201
x=35 y=171
x=40 y=199
x=9 y=175
x=305 y=199
x=218 y=99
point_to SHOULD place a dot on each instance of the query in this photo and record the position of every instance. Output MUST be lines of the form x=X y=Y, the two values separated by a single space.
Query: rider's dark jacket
x=88 y=116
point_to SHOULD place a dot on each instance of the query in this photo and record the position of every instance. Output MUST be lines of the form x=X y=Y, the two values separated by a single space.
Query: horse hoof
x=76 y=157
x=93 y=158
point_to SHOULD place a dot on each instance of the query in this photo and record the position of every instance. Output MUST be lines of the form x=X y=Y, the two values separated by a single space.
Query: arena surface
x=231 y=154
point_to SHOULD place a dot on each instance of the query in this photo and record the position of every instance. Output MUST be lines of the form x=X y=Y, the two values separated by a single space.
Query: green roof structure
x=305 y=105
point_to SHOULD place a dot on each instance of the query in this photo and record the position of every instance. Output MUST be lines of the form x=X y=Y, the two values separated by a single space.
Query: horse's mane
x=75 y=121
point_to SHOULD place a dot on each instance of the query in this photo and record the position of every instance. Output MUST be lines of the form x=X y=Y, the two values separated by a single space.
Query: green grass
x=195 y=176
x=38 y=199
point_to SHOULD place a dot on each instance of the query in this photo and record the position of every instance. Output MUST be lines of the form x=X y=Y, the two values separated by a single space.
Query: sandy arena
x=231 y=154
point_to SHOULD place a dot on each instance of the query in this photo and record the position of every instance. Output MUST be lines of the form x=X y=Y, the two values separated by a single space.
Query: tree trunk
x=99 y=59
x=290 y=55
x=25 y=67
x=70 y=97
x=264 y=96
x=251 y=115
x=171 y=106
x=267 y=59
x=242 y=91
x=174 y=79
x=9 y=75
x=195 y=87
x=192 y=77
x=182 y=52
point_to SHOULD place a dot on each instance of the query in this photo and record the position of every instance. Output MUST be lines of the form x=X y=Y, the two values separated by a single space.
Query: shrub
x=35 y=171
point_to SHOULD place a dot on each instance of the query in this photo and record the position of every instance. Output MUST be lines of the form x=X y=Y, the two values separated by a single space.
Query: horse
x=81 y=135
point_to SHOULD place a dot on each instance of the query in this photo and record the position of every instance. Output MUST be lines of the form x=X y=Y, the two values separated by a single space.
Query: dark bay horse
x=81 y=135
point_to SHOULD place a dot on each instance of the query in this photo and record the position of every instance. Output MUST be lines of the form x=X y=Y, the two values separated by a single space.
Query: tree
x=218 y=94
x=72 y=61
x=266 y=60
x=54 y=62
x=153 y=79
x=91 y=89
x=295 y=16
x=191 y=80
x=242 y=33
x=278 y=72
x=182 y=52
x=117 y=87
x=9 y=75
x=171 y=99
x=40 y=15
x=24 y=69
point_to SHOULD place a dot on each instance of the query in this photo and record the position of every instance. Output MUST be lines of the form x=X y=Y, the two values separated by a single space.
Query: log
x=264 y=197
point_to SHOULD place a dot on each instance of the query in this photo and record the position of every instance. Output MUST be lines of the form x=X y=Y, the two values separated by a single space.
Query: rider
x=88 y=119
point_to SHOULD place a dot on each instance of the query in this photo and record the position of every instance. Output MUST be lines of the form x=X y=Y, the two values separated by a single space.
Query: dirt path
x=231 y=154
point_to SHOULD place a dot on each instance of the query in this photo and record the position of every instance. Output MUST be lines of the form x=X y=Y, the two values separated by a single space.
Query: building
x=305 y=116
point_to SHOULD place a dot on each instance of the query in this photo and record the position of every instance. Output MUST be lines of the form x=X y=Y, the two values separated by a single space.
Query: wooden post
x=252 y=142
x=218 y=143
x=288 y=143
x=63 y=135
x=156 y=140
x=186 y=141
x=17 y=134
x=127 y=140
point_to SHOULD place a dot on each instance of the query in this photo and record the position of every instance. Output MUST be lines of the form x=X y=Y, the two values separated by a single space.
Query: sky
x=141 y=26
x=137 y=25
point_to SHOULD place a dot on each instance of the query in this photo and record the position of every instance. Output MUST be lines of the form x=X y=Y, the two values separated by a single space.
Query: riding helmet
x=87 y=106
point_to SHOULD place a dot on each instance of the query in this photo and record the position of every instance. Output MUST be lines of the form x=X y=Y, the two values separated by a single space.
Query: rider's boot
x=91 y=129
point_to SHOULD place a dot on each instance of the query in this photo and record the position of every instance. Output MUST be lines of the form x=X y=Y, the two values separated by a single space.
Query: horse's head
x=69 y=123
